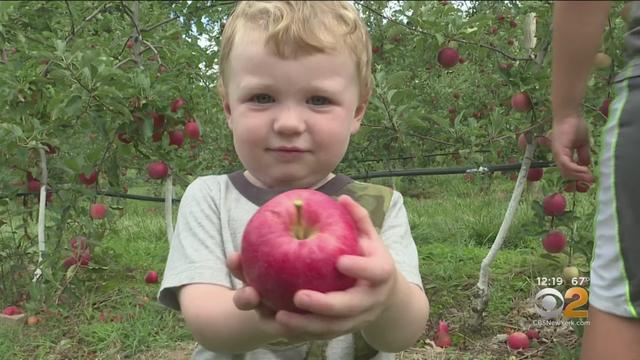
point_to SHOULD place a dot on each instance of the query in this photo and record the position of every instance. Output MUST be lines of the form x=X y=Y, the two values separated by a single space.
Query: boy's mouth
x=288 y=149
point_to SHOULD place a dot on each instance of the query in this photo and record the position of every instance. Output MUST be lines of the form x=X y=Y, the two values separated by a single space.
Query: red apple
x=177 y=104
x=535 y=174
x=151 y=277
x=544 y=141
x=192 y=130
x=533 y=334
x=518 y=340
x=33 y=185
x=554 y=242
x=513 y=23
x=98 y=211
x=522 y=141
x=293 y=242
x=582 y=187
x=521 y=102
x=158 y=170
x=158 y=120
x=554 y=204
x=12 y=310
x=176 y=138
x=448 y=57
x=375 y=50
x=85 y=258
x=91 y=179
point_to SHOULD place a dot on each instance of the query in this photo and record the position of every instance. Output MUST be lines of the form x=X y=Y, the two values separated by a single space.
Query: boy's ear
x=227 y=111
x=358 y=115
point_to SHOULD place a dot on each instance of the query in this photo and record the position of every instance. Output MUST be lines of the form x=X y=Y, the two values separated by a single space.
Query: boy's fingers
x=334 y=304
x=360 y=216
x=246 y=298
x=234 y=266
x=363 y=268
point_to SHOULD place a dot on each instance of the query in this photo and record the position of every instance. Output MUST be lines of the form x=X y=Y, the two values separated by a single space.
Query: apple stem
x=298 y=228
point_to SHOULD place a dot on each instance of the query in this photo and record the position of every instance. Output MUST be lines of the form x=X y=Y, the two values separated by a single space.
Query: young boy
x=295 y=79
x=614 y=292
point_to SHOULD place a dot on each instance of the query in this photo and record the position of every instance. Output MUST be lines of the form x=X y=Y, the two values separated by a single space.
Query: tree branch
x=73 y=26
x=165 y=21
x=420 y=31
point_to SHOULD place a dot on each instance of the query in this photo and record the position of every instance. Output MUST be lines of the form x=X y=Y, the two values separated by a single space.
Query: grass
x=108 y=312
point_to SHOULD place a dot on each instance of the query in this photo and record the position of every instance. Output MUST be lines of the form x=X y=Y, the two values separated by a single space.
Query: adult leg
x=610 y=337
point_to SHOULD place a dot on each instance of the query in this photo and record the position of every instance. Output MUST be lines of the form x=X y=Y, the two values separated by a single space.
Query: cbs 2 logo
x=550 y=303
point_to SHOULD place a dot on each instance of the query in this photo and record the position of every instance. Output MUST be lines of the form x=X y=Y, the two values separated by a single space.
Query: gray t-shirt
x=213 y=213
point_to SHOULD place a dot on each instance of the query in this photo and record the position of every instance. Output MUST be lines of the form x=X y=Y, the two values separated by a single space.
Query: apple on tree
x=521 y=102
x=448 y=57
x=176 y=137
x=554 y=242
x=192 y=130
x=177 y=104
x=98 y=211
x=554 y=204
x=88 y=180
x=158 y=170
x=293 y=242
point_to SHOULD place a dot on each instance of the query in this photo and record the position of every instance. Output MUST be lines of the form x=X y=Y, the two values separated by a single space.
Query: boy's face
x=291 y=119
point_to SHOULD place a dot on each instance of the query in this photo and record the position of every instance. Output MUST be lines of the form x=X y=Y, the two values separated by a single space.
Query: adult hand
x=571 y=135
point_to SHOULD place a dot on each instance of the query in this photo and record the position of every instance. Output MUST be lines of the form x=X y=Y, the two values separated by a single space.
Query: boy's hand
x=334 y=313
x=572 y=134
x=341 y=312
x=246 y=298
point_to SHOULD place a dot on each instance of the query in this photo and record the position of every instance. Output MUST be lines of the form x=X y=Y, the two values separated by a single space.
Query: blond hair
x=297 y=28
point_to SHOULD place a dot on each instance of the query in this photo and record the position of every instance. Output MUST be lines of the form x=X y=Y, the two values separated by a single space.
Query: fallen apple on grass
x=151 y=277
x=517 y=341
x=293 y=242
x=533 y=334
x=33 y=320
x=12 y=310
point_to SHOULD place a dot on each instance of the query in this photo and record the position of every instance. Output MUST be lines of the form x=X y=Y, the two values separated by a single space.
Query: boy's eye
x=318 y=100
x=262 y=98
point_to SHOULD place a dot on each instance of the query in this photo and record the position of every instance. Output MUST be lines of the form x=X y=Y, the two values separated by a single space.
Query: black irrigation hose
x=448 y=171
x=365 y=176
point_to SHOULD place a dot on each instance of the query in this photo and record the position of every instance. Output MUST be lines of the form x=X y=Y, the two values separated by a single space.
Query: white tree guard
x=482 y=287
x=41 y=215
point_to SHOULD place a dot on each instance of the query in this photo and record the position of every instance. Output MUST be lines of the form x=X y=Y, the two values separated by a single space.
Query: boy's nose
x=289 y=121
